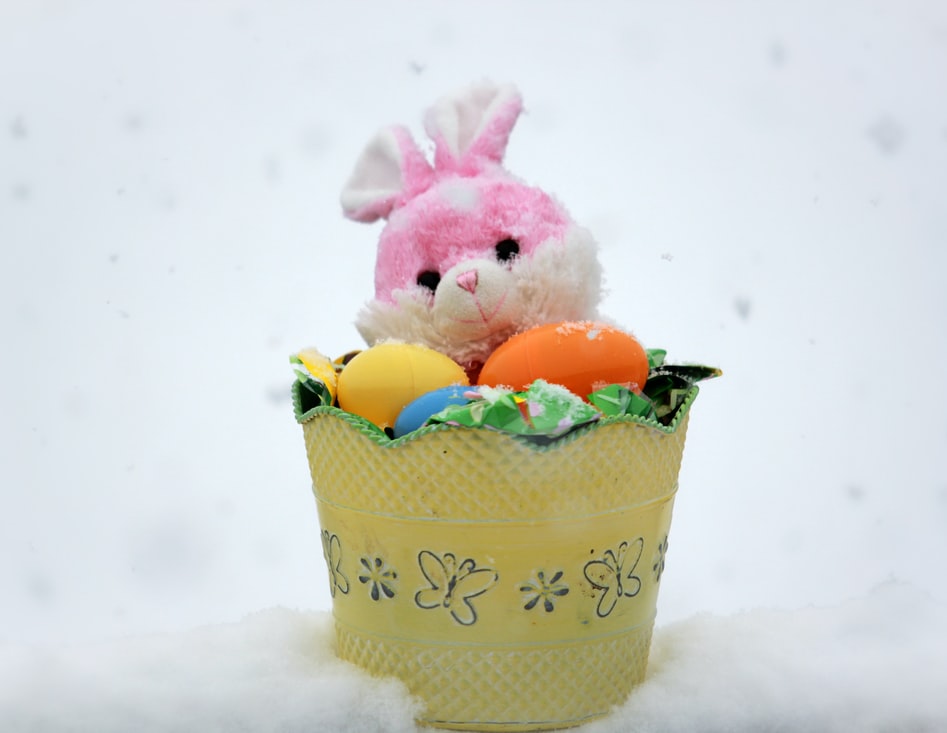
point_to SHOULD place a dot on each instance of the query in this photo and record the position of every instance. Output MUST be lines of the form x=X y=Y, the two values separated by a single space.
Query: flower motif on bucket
x=659 y=555
x=332 y=551
x=614 y=574
x=379 y=577
x=540 y=588
x=453 y=585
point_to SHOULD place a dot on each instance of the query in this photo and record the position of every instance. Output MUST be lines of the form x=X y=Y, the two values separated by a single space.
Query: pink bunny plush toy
x=470 y=254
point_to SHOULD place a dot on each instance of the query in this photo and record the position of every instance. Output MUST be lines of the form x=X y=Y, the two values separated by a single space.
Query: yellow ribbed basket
x=510 y=586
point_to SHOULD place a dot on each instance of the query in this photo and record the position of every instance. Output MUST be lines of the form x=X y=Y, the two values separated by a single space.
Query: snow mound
x=878 y=663
x=273 y=671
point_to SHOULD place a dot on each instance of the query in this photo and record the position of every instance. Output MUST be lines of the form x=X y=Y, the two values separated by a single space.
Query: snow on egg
x=582 y=356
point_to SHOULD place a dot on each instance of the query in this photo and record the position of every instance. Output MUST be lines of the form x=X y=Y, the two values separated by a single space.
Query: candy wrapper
x=669 y=384
x=317 y=377
x=615 y=400
x=542 y=413
x=547 y=411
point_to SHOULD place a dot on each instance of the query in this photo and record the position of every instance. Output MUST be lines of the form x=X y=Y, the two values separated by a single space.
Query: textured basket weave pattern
x=510 y=587
x=528 y=688
x=482 y=474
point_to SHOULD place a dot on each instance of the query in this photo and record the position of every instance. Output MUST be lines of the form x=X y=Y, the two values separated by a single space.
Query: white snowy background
x=768 y=182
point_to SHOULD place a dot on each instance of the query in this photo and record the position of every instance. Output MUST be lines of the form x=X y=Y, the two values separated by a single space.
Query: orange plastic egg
x=582 y=356
x=378 y=382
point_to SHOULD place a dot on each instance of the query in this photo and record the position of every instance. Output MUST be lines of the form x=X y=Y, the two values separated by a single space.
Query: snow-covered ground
x=872 y=664
x=768 y=182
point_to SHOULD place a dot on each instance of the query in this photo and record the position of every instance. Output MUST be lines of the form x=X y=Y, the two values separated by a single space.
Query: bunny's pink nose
x=468 y=281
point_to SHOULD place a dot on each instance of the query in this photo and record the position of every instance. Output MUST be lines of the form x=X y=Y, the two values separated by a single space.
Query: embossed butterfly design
x=453 y=585
x=609 y=575
x=332 y=551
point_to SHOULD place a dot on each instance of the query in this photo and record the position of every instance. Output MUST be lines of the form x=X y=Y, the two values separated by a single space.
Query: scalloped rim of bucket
x=372 y=432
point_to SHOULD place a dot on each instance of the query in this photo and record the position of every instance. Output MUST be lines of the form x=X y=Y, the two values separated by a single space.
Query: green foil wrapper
x=544 y=411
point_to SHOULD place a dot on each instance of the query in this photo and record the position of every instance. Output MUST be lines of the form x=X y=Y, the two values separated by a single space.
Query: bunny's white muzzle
x=474 y=299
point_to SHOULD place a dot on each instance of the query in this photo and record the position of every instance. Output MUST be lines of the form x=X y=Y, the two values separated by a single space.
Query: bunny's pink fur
x=470 y=254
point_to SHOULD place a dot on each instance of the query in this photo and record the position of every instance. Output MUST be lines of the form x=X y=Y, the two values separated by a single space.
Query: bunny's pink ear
x=474 y=127
x=390 y=170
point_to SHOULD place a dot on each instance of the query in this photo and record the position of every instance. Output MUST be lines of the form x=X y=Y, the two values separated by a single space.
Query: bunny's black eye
x=507 y=250
x=429 y=279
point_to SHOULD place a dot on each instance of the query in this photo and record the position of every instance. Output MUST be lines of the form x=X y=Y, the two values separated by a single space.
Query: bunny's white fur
x=470 y=254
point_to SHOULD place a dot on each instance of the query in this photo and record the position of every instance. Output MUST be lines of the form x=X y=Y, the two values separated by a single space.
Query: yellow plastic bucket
x=510 y=586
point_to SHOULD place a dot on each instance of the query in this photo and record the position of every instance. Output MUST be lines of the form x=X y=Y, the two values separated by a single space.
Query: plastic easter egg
x=416 y=413
x=379 y=382
x=581 y=356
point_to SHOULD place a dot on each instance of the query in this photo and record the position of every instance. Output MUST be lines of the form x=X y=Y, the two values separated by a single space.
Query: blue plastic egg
x=416 y=413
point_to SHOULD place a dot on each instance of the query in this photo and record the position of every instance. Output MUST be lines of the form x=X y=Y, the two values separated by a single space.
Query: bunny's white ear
x=474 y=126
x=389 y=170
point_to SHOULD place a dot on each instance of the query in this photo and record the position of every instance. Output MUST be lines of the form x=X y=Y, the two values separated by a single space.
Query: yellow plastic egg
x=380 y=381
